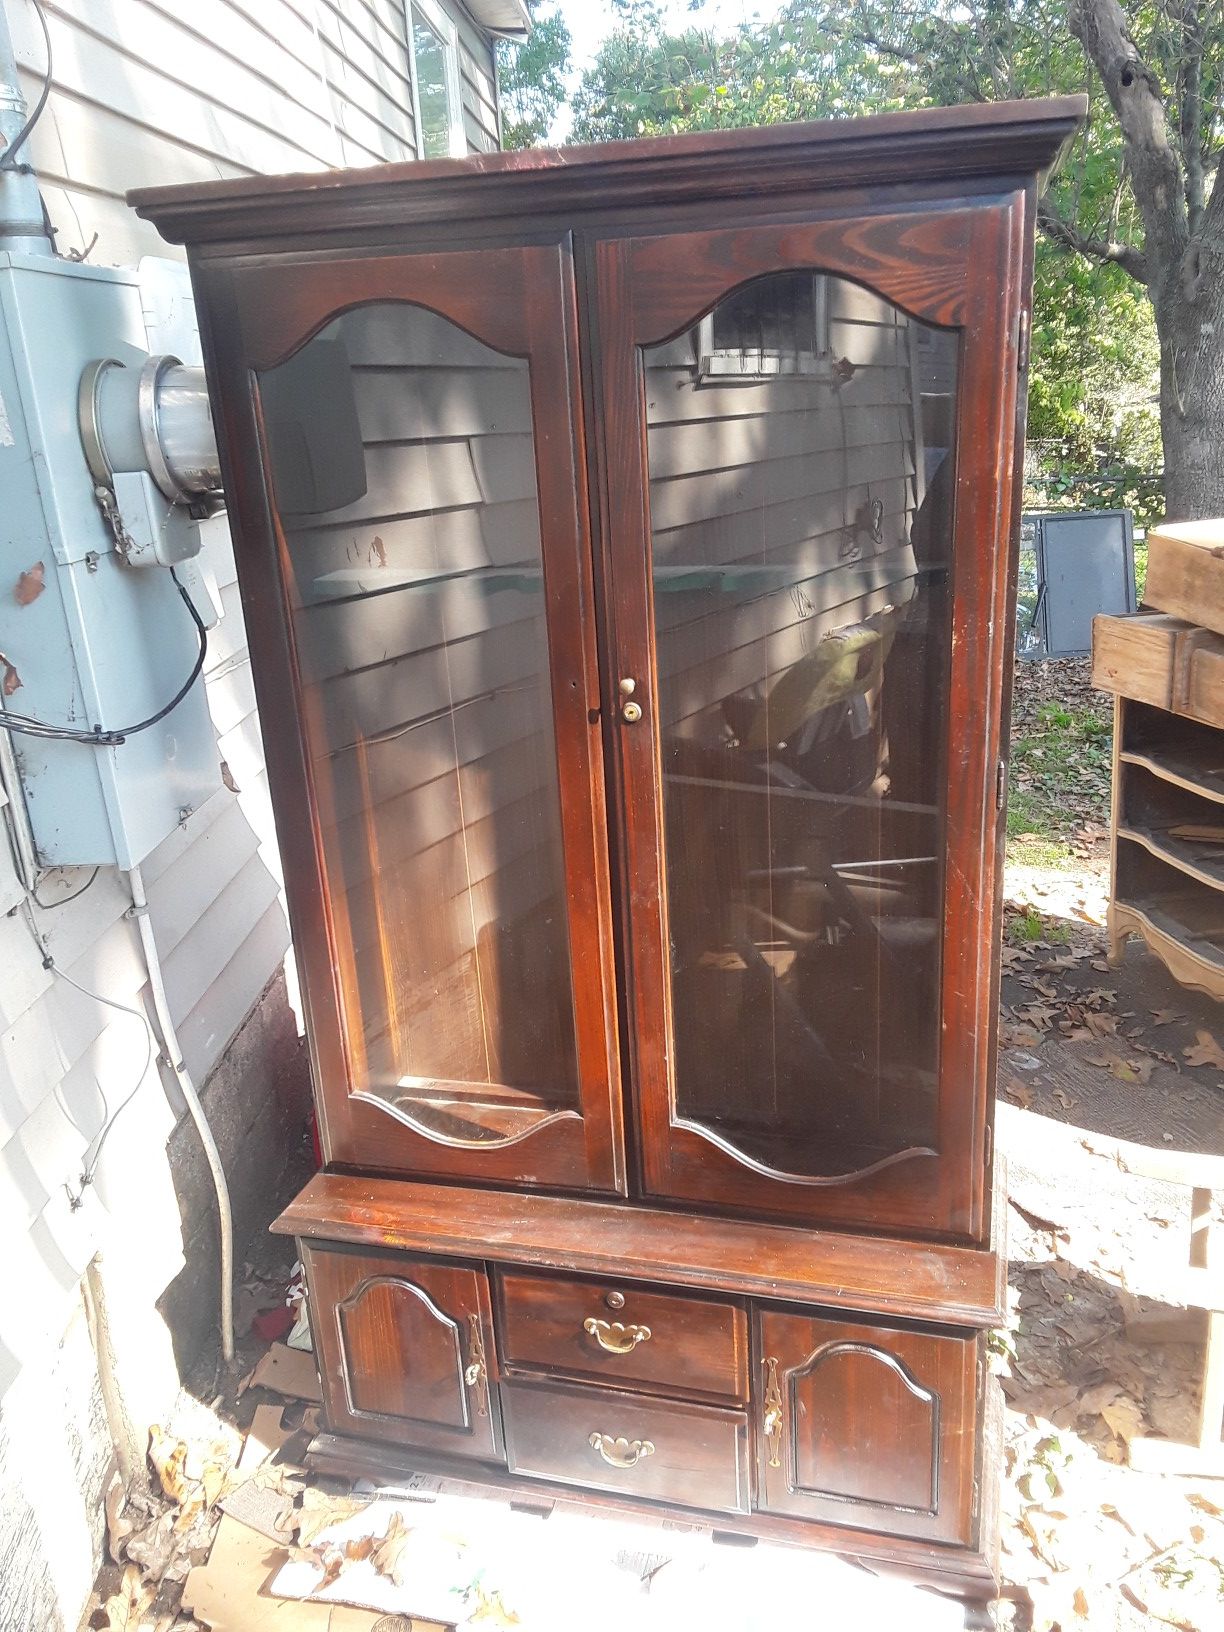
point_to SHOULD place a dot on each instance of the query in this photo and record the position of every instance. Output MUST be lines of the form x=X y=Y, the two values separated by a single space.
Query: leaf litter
x=1090 y=1544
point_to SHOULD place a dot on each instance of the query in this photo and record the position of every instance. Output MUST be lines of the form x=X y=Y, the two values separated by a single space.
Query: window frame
x=436 y=20
x=718 y=365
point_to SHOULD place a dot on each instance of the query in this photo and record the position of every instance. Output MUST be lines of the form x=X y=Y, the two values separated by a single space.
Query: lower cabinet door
x=405 y=1349
x=869 y=1426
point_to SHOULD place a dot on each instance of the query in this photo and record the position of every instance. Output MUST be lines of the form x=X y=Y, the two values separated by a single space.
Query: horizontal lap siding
x=421 y=634
x=148 y=92
x=478 y=86
x=753 y=484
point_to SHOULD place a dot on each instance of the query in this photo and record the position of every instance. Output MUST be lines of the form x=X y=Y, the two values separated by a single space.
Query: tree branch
x=1211 y=224
x=1134 y=93
x=1060 y=231
x=1190 y=109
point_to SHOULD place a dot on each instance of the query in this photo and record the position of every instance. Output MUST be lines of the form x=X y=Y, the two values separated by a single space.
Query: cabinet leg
x=732 y=1538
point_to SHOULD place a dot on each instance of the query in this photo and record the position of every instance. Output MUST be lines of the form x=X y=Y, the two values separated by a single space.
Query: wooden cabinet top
x=940 y=145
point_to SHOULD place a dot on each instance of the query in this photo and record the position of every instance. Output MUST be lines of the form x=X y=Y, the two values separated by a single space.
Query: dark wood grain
x=527 y=305
x=946 y=145
x=868 y=1286
x=698 y=1456
x=925 y=1280
x=640 y=294
x=877 y=1425
x=696 y=1347
x=394 y=1339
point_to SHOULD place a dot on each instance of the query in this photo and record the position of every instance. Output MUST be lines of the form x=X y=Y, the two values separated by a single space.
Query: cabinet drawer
x=405 y=1347
x=871 y=1426
x=660 y=1342
x=693 y=1455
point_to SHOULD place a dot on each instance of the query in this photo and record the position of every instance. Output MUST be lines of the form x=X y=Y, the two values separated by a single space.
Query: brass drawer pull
x=621 y=1453
x=614 y=1336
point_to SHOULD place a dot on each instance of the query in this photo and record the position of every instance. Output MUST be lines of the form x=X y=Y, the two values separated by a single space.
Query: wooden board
x=1185 y=574
x=1152 y=657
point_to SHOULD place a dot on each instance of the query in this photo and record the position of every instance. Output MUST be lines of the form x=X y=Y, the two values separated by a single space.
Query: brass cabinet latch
x=476 y=1376
x=771 y=1419
x=614 y=1336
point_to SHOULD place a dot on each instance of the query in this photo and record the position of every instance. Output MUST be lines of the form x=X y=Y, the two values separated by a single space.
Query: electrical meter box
x=86 y=638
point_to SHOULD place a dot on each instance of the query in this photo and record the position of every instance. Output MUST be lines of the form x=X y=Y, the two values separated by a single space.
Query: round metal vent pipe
x=156 y=418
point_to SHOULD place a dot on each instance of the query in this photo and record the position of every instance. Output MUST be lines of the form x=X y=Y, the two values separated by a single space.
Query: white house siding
x=767 y=475
x=150 y=91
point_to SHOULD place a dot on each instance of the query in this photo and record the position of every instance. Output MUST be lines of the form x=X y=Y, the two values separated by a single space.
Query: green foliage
x=531 y=76
x=1093 y=417
x=1093 y=425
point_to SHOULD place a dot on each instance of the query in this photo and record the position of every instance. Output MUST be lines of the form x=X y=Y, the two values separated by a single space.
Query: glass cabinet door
x=426 y=519
x=796 y=858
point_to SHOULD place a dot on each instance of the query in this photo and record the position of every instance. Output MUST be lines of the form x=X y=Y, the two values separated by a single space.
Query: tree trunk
x=1189 y=305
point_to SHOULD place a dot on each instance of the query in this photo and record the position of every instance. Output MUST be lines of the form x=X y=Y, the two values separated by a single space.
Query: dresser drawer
x=692 y=1455
x=606 y=1332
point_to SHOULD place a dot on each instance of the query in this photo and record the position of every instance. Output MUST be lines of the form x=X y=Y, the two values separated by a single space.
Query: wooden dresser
x=1167 y=829
x=626 y=537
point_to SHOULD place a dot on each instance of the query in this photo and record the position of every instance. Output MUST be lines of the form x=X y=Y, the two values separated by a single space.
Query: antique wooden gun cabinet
x=625 y=539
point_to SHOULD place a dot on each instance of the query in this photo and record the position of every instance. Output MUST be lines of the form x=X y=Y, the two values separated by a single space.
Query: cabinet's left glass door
x=437 y=625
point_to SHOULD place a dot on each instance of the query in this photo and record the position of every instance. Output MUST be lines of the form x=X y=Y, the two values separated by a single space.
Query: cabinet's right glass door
x=800 y=469
x=806 y=526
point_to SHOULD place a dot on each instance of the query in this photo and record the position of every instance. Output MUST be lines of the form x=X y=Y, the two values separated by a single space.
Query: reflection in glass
x=432 y=88
x=801 y=512
x=403 y=465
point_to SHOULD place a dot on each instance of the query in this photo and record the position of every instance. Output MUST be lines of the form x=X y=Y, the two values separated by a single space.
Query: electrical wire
x=99 y=738
x=90 y=1163
x=50 y=906
x=9 y=158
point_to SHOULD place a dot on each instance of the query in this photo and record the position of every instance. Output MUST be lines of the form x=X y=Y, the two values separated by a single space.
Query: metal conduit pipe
x=174 y=1055
x=22 y=223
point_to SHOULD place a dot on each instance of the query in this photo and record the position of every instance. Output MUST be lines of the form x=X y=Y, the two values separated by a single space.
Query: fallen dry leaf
x=1019 y=1092
x=1164 y=1017
x=1125 y=1417
x=388 y=1555
x=1129 y=1071
x=127 y=1609
x=1205 y=1051
x=333 y=1558
x=169 y=1458
x=319 y=1511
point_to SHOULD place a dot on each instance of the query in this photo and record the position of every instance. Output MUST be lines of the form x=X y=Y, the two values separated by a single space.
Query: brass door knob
x=631 y=712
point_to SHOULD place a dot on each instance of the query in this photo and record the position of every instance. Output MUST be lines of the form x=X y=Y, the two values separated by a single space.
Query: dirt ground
x=1089 y=1056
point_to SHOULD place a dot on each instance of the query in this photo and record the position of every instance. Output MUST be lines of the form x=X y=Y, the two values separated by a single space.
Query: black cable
x=49 y=906
x=98 y=738
x=7 y=162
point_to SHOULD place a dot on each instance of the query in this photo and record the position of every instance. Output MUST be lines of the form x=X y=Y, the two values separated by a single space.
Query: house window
x=777 y=325
x=435 y=82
